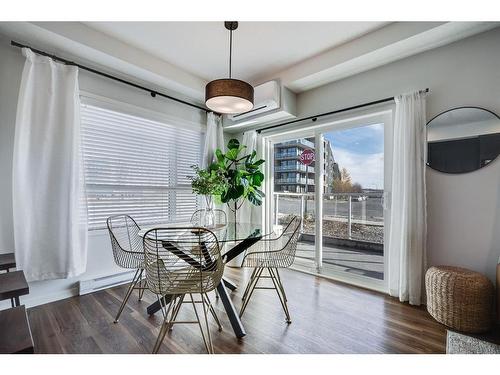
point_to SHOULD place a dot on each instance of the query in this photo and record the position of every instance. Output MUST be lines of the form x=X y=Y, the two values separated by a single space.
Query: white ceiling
x=260 y=49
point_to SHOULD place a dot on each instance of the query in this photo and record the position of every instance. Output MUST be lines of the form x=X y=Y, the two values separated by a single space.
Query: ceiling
x=178 y=58
x=260 y=49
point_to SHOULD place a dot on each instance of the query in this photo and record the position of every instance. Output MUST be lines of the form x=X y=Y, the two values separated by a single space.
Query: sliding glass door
x=335 y=176
x=353 y=210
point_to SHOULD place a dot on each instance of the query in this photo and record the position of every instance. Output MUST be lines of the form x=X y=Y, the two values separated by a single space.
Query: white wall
x=463 y=210
x=100 y=261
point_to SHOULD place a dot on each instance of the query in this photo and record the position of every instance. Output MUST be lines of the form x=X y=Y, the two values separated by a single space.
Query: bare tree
x=343 y=184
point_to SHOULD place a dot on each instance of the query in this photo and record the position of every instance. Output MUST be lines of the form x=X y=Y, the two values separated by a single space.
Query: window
x=137 y=166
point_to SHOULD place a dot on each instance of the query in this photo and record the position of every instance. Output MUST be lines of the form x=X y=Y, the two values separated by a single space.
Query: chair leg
x=205 y=311
x=212 y=311
x=165 y=325
x=280 y=284
x=254 y=282
x=280 y=296
x=142 y=285
x=208 y=344
x=176 y=312
x=127 y=295
x=249 y=282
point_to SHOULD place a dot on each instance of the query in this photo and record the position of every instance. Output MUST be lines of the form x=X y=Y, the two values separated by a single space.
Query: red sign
x=307 y=157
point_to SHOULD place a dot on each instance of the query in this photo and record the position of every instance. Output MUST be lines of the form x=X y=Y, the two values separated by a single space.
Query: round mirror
x=462 y=140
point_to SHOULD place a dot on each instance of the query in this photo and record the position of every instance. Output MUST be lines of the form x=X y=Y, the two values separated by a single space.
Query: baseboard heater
x=100 y=283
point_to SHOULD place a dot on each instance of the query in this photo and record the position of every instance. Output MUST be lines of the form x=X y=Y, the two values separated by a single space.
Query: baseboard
x=104 y=282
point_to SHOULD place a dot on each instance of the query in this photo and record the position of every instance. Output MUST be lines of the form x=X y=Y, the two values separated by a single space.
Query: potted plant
x=208 y=182
x=242 y=175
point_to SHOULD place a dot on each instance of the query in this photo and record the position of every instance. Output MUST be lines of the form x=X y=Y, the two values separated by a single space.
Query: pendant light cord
x=230 y=50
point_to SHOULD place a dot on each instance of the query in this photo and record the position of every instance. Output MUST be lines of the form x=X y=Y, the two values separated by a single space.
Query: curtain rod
x=153 y=93
x=315 y=117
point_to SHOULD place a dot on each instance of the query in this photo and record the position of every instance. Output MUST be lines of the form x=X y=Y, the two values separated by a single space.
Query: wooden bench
x=13 y=285
x=7 y=261
x=16 y=333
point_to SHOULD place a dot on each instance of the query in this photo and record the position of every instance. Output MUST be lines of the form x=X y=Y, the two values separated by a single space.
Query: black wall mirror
x=462 y=140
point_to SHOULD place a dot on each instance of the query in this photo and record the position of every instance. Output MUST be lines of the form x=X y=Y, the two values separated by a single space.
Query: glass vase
x=208 y=215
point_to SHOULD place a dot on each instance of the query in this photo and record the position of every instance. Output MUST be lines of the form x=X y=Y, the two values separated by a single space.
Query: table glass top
x=225 y=233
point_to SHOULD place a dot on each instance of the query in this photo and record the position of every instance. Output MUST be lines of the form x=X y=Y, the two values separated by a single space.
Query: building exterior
x=290 y=175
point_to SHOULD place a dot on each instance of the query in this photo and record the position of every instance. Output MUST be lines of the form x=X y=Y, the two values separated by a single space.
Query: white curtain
x=248 y=212
x=214 y=139
x=408 y=228
x=50 y=230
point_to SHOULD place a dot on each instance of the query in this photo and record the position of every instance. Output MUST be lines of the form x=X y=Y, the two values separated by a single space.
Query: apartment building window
x=137 y=166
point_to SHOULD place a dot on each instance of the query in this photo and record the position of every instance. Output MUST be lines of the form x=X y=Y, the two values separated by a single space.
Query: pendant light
x=228 y=95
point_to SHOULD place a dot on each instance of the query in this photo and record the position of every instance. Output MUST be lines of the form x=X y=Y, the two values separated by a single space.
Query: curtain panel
x=214 y=139
x=248 y=212
x=50 y=226
x=408 y=226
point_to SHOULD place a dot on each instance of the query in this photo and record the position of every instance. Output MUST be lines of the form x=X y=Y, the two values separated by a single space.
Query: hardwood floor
x=327 y=317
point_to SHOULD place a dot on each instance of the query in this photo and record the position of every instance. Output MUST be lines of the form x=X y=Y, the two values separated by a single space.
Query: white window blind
x=137 y=166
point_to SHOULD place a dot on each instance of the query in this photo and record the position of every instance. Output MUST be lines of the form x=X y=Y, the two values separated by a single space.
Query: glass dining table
x=242 y=235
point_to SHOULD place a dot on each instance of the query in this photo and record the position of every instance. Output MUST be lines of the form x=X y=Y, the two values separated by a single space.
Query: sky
x=361 y=151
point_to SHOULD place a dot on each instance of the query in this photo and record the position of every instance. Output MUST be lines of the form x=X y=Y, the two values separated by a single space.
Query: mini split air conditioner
x=271 y=103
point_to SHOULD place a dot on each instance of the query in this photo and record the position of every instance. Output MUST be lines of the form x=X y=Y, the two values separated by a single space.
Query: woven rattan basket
x=459 y=298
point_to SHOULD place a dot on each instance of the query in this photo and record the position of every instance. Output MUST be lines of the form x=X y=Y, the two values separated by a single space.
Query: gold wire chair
x=220 y=216
x=127 y=252
x=181 y=262
x=269 y=255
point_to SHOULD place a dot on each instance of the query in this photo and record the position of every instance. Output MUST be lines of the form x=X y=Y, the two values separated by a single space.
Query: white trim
x=318 y=198
x=337 y=122
x=269 y=184
x=134 y=110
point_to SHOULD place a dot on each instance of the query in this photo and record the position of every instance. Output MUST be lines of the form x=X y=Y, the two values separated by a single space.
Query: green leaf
x=213 y=166
x=220 y=156
x=225 y=197
x=257 y=178
x=236 y=192
x=259 y=162
x=232 y=154
x=254 y=199
x=233 y=144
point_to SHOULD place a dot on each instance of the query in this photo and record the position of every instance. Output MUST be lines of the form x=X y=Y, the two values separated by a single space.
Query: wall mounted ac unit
x=271 y=103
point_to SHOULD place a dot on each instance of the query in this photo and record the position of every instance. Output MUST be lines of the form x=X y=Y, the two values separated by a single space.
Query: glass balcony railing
x=357 y=216
x=294 y=167
x=286 y=155
x=296 y=180
x=303 y=142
